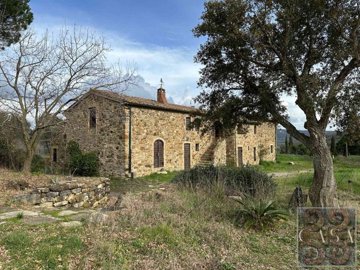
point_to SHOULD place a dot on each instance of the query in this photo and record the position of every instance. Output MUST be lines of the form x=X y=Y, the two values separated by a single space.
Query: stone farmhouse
x=136 y=136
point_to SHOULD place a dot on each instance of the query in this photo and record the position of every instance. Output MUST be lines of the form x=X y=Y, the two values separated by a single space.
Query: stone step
x=202 y=163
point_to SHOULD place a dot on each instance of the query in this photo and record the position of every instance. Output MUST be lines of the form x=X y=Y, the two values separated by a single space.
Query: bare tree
x=42 y=74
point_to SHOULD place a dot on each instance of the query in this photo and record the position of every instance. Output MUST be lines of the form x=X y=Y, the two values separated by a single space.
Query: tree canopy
x=258 y=51
x=15 y=16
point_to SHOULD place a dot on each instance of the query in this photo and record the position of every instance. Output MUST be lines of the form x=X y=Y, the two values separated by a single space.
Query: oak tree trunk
x=323 y=190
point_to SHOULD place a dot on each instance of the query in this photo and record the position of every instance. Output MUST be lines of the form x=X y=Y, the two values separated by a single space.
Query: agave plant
x=259 y=214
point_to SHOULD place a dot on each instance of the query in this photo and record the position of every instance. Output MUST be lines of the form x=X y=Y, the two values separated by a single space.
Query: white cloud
x=297 y=116
x=174 y=65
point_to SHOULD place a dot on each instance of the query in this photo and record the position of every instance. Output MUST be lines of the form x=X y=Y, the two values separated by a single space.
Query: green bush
x=4 y=153
x=37 y=164
x=259 y=214
x=82 y=164
x=234 y=181
x=10 y=157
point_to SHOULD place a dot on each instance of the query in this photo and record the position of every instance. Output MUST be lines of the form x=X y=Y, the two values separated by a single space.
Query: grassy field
x=161 y=226
x=171 y=229
x=347 y=171
x=301 y=163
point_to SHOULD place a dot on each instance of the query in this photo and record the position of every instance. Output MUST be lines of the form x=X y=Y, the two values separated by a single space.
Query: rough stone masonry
x=77 y=193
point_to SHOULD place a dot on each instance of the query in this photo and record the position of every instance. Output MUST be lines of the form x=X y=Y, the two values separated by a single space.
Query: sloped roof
x=139 y=102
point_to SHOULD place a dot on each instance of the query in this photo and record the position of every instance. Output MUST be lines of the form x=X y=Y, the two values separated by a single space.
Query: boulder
x=71 y=224
x=298 y=199
x=99 y=218
x=29 y=198
x=114 y=203
x=62 y=203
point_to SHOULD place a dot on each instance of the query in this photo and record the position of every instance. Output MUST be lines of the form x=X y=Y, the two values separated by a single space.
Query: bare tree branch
x=50 y=73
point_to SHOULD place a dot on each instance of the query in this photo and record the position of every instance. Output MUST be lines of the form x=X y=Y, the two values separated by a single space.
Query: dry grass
x=175 y=229
x=158 y=229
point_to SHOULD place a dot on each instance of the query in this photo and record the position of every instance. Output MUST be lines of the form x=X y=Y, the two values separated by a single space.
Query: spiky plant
x=259 y=214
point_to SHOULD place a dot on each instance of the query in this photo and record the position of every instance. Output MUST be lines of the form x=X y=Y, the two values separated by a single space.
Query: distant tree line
x=290 y=148
x=344 y=146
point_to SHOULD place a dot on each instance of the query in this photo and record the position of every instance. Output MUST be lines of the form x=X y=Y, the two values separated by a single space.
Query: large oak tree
x=258 y=51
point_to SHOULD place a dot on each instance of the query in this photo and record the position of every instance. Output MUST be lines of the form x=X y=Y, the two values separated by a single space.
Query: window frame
x=92 y=118
x=54 y=155
x=188 y=123
x=197 y=147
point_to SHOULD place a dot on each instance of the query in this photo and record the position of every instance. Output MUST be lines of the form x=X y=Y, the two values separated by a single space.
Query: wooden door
x=240 y=157
x=187 y=163
x=158 y=154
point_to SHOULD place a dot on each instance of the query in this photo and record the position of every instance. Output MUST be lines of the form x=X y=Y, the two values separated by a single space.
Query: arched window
x=158 y=154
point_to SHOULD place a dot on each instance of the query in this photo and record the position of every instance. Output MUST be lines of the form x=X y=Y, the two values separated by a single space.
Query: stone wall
x=149 y=125
x=124 y=138
x=92 y=192
x=107 y=139
x=264 y=138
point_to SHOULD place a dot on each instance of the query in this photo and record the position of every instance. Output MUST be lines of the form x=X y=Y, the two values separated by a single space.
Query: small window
x=54 y=155
x=254 y=153
x=271 y=149
x=254 y=129
x=197 y=147
x=92 y=117
x=241 y=129
x=188 y=123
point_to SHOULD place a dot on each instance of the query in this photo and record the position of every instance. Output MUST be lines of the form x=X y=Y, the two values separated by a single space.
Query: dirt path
x=291 y=173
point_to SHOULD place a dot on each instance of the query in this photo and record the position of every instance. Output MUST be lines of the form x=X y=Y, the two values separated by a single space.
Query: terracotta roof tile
x=142 y=102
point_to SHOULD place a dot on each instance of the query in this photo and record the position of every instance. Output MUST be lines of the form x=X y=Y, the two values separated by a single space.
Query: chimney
x=161 y=97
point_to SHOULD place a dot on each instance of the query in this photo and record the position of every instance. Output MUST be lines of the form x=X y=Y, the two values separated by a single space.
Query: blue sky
x=163 y=23
x=155 y=36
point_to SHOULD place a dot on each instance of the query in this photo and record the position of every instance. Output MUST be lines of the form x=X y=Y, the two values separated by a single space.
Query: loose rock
x=71 y=224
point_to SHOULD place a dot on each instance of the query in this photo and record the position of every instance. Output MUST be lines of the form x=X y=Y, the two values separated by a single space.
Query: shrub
x=37 y=164
x=82 y=164
x=234 y=181
x=259 y=214
x=73 y=149
x=10 y=156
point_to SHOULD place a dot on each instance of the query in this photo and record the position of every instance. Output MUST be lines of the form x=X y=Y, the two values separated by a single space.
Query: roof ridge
x=144 y=102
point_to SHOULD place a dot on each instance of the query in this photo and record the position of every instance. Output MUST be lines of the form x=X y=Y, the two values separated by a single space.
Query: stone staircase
x=208 y=157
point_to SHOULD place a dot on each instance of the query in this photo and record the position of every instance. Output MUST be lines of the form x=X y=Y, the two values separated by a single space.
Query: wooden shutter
x=188 y=123
x=240 y=156
x=187 y=164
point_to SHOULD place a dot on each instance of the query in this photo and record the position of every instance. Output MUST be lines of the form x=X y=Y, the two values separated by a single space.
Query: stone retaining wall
x=77 y=193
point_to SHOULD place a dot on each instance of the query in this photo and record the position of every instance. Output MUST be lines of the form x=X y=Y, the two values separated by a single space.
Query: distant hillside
x=281 y=135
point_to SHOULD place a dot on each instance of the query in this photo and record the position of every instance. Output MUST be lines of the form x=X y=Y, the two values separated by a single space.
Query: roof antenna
x=161 y=83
